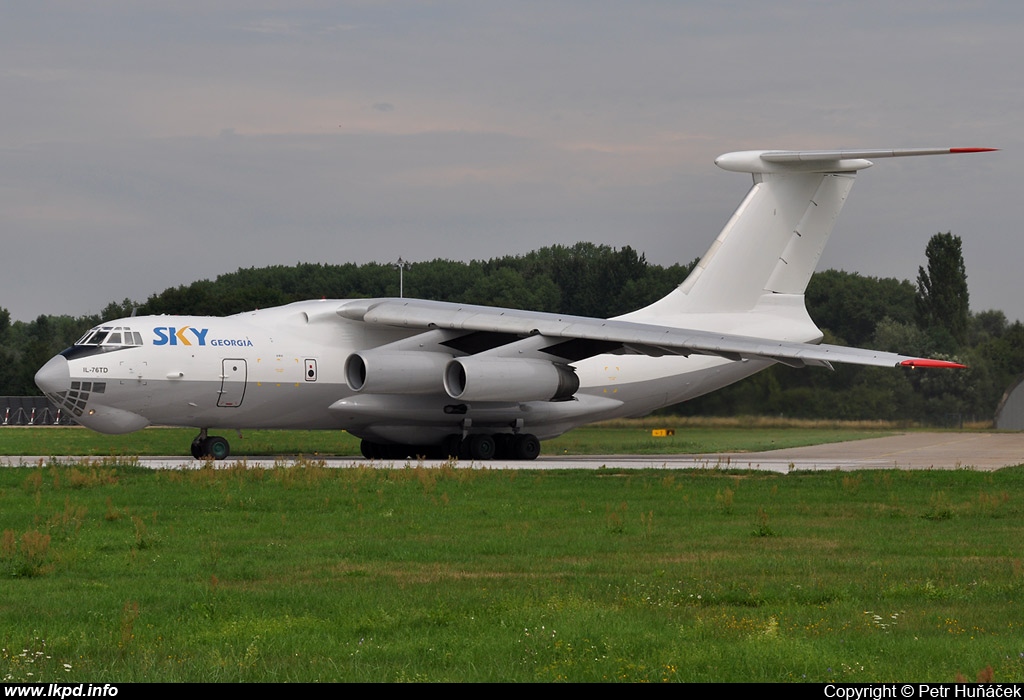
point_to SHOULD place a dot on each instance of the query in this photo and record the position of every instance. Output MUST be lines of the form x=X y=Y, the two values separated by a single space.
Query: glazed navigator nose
x=54 y=377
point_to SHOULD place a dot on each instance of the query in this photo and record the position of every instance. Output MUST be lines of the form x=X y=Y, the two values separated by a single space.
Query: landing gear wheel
x=204 y=447
x=526 y=447
x=481 y=447
x=217 y=447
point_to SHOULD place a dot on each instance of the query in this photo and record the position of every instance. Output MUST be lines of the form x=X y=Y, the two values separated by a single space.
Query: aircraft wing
x=575 y=337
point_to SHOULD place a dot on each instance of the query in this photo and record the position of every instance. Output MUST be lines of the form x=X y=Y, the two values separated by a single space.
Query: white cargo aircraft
x=429 y=378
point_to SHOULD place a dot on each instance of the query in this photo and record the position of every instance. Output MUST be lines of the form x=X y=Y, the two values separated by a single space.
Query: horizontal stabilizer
x=791 y=156
x=844 y=160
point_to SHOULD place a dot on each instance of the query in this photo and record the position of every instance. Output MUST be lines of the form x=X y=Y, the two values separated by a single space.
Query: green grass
x=621 y=437
x=302 y=573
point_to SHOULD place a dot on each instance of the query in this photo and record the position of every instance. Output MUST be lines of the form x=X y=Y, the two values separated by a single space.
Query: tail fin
x=774 y=240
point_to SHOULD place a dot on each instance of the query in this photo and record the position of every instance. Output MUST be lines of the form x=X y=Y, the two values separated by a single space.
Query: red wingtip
x=922 y=362
x=972 y=150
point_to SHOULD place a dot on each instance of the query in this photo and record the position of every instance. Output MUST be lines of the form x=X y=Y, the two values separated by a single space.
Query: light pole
x=402 y=266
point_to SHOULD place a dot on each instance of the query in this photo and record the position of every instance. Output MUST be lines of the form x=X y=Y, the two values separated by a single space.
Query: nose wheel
x=210 y=447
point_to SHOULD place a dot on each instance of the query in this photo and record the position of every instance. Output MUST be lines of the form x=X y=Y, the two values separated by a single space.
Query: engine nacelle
x=396 y=372
x=509 y=379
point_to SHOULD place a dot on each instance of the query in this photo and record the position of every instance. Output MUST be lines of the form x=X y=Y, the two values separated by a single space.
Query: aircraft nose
x=54 y=377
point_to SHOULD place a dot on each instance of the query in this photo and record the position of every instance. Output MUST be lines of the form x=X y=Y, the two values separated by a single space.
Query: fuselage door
x=232 y=383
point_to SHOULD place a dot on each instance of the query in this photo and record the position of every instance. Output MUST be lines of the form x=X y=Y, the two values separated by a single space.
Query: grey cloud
x=177 y=142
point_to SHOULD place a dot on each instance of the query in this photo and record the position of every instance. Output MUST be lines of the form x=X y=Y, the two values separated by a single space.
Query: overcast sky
x=145 y=145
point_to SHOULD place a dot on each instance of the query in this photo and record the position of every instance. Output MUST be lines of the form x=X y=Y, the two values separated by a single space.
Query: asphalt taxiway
x=977 y=451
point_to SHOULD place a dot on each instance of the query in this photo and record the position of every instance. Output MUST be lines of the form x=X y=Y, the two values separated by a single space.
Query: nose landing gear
x=210 y=447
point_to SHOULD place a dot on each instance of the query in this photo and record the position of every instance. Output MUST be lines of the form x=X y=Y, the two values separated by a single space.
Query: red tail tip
x=972 y=150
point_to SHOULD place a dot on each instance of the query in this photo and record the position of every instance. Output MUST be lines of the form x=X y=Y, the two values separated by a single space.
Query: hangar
x=1010 y=413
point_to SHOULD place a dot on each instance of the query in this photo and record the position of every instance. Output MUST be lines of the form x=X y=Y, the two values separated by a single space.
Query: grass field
x=301 y=573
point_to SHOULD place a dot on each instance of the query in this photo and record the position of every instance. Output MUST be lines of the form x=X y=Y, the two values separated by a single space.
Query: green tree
x=851 y=306
x=115 y=310
x=942 y=301
x=507 y=287
x=986 y=325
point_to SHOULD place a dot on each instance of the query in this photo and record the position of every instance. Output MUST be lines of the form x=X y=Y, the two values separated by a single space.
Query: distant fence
x=31 y=410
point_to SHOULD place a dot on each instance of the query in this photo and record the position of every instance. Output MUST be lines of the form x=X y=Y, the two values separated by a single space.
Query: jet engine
x=395 y=372
x=507 y=379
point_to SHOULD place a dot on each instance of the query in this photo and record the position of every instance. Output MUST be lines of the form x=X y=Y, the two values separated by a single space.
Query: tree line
x=930 y=318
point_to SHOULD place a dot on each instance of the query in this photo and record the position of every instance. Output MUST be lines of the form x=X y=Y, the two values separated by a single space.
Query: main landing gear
x=210 y=447
x=478 y=447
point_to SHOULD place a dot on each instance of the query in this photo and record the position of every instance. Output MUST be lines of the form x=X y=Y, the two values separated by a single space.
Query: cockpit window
x=111 y=336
